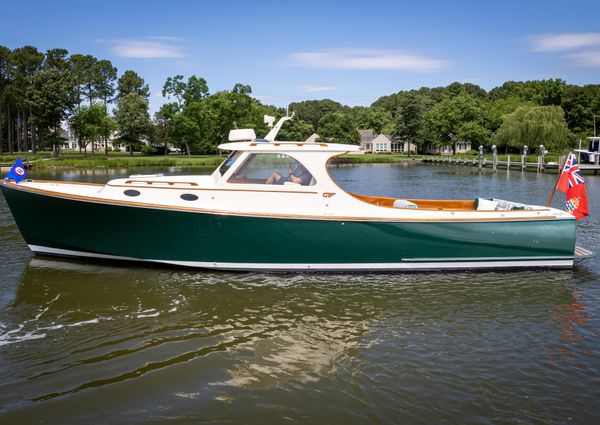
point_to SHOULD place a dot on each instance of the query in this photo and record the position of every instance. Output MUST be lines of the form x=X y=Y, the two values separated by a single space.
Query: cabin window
x=131 y=192
x=272 y=168
x=188 y=197
x=226 y=165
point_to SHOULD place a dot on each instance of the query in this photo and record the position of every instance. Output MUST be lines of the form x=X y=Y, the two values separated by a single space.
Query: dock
x=540 y=166
x=5 y=168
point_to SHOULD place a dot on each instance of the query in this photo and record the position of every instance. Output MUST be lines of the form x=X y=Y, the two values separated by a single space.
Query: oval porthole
x=131 y=192
x=189 y=197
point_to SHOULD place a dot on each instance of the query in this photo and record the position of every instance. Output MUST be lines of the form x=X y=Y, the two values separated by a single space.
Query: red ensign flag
x=571 y=182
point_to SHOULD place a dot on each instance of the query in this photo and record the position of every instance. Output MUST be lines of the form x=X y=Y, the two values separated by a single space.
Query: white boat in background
x=591 y=155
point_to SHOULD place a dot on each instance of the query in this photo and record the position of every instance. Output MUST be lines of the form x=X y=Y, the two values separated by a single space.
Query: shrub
x=149 y=150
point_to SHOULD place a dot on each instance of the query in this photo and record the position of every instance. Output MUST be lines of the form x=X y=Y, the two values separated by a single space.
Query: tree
x=163 y=124
x=312 y=111
x=496 y=109
x=5 y=78
x=91 y=125
x=24 y=63
x=376 y=119
x=534 y=126
x=456 y=119
x=84 y=71
x=580 y=105
x=186 y=130
x=132 y=119
x=295 y=130
x=226 y=110
x=337 y=127
x=51 y=97
x=105 y=75
x=57 y=59
x=409 y=118
x=175 y=87
x=131 y=82
x=473 y=90
x=196 y=89
x=541 y=92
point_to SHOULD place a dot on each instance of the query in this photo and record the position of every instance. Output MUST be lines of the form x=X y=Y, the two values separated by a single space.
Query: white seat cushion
x=403 y=203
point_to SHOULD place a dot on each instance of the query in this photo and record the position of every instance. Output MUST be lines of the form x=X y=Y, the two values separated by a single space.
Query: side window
x=272 y=168
x=226 y=165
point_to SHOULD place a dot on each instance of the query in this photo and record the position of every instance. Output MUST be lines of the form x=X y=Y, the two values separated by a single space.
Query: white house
x=112 y=143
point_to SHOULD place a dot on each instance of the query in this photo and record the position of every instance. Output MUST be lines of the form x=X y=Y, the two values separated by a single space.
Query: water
x=94 y=343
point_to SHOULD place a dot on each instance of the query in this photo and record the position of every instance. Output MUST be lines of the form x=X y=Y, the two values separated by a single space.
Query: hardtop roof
x=278 y=146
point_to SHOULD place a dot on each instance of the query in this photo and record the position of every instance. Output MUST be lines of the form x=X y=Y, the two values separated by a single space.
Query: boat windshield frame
x=285 y=158
x=229 y=162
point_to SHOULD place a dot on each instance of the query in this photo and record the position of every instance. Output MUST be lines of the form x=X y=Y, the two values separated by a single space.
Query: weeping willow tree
x=533 y=126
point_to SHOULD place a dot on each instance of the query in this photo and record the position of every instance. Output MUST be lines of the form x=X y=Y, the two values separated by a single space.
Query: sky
x=350 y=51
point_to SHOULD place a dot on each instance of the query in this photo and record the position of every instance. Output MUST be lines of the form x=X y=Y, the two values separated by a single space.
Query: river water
x=110 y=343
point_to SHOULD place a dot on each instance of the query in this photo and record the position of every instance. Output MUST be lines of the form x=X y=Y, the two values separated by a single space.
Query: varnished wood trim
x=273 y=215
x=277 y=144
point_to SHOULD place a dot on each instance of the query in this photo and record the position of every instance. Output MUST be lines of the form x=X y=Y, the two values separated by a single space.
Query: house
x=366 y=139
x=400 y=145
x=374 y=144
x=382 y=143
x=459 y=148
x=113 y=143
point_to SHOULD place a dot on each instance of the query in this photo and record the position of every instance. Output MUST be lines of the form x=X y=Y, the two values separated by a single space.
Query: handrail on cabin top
x=160 y=182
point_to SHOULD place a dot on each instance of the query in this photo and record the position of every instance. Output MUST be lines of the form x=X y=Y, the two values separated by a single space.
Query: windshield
x=226 y=165
x=271 y=168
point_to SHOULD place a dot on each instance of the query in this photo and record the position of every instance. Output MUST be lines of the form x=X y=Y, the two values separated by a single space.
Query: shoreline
x=99 y=162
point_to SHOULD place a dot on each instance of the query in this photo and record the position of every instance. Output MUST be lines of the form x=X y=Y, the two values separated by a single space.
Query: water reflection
x=109 y=324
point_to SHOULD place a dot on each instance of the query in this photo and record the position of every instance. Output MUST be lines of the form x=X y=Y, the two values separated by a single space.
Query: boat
x=592 y=154
x=273 y=206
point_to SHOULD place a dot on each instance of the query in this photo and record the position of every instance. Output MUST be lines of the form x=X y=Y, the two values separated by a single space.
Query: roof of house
x=382 y=138
x=366 y=135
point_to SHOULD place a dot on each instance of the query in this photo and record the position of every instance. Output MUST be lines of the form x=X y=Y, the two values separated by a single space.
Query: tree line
x=42 y=93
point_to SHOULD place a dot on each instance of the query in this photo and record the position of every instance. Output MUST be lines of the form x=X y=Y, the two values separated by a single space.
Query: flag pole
x=553 y=190
x=560 y=171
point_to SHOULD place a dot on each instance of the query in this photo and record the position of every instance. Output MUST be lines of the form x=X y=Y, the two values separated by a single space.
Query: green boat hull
x=62 y=226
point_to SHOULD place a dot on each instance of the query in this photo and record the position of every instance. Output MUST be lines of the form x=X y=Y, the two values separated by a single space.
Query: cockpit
x=267 y=168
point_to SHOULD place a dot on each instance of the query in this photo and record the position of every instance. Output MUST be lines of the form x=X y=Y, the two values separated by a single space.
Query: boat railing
x=161 y=182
